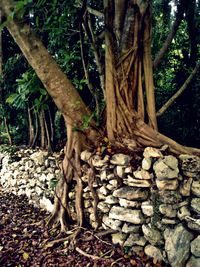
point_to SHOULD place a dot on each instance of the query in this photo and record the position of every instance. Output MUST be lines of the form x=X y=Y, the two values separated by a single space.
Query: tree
x=129 y=91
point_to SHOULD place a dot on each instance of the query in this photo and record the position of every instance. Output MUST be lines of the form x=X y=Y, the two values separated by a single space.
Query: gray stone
x=167 y=184
x=130 y=228
x=177 y=245
x=120 y=159
x=195 y=247
x=167 y=210
x=196 y=188
x=185 y=187
x=46 y=204
x=193 y=262
x=39 y=157
x=152 y=235
x=151 y=152
x=183 y=212
x=190 y=163
x=113 y=224
x=111 y=200
x=135 y=239
x=153 y=252
x=126 y=215
x=195 y=204
x=142 y=174
x=128 y=203
x=103 y=207
x=118 y=238
x=98 y=162
x=130 y=193
x=120 y=171
x=147 y=208
x=103 y=190
x=128 y=169
x=146 y=163
x=138 y=183
x=85 y=155
x=168 y=221
x=166 y=168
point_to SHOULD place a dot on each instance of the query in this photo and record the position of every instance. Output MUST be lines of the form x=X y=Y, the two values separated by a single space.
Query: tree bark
x=8 y=131
x=31 y=129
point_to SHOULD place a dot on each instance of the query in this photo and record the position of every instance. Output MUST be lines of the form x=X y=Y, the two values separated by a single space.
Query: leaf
x=25 y=256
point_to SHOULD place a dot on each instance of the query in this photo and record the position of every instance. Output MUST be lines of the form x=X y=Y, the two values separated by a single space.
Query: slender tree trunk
x=48 y=144
x=51 y=127
x=36 y=128
x=7 y=131
x=31 y=128
x=42 y=129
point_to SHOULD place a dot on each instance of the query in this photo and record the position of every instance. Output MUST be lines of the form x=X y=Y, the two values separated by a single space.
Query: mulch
x=23 y=237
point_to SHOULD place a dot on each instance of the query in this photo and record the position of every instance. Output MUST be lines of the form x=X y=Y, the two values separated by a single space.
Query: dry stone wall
x=153 y=208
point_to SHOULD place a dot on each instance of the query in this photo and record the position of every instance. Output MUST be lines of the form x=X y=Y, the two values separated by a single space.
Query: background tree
x=128 y=90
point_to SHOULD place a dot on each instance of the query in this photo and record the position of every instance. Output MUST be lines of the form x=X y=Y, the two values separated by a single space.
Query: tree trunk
x=31 y=129
x=48 y=144
x=42 y=129
x=7 y=131
x=36 y=127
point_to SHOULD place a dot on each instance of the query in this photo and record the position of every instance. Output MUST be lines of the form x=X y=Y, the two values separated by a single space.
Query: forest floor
x=23 y=237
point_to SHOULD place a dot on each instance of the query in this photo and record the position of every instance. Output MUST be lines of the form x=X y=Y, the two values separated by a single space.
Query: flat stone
x=168 y=221
x=118 y=238
x=195 y=204
x=142 y=174
x=147 y=208
x=126 y=215
x=167 y=210
x=39 y=157
x=196 y=188
x=183 y=212
x=177 y=245
x=130 y=228
x=113 y=224
x=111 y=200
x=135 y=239
x=195 y=247
x=130 y=193
x=185 y=187
x=98 y=162
x=128 y=203
x=120 y=159
x=120 y=171
x=138 y=183
x=193 y=262
x=152 y=235
x=153 y=252
x=86 y=155
x=102 y=206
x=146 y=163
x=166 y=168
x=151 y=152
x=167 y=184
x=190 y=163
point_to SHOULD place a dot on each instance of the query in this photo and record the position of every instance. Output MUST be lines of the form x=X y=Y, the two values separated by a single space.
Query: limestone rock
x=167 y=184
x=113 y=224
x=196 y=188
x=142 y=174
x=152 y=235
x=39 y=157
x=169 y=197
x=111 y=200
x=186 y=187
x=177 y=245
x=147 y=208
x=167 y=210
x=130 y=228
x=46 y=204
x=85 y=155
x=153 y=252
x=118 y=238
x=183 y=212
x=120 y=171
x=166 y=168
x=193 y=262
x=151 y=152
x=146 y=163
x=126 y=215
x=190 y=163
x=195 y=204
x=103 y=190
x=128 y=203
x=130 y=193
x=168 y=221
x=102 y=206
x=137 y=182
x=120 y=159
x=195 y=247
x=98 y=162
x=135 y=239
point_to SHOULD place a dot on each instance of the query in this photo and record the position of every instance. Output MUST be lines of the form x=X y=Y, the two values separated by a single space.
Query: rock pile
x=154 y=208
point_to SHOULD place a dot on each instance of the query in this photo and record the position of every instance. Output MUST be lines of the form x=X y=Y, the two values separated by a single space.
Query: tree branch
x=178 y=93
x=91 y=10
x=169 y=39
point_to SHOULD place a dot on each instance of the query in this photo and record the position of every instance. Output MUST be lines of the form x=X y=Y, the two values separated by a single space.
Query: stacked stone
x=34 y=174
x=155 y=208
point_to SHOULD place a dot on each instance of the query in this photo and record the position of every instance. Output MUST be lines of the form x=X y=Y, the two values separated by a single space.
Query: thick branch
x=178 y=93
x=169 y=39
